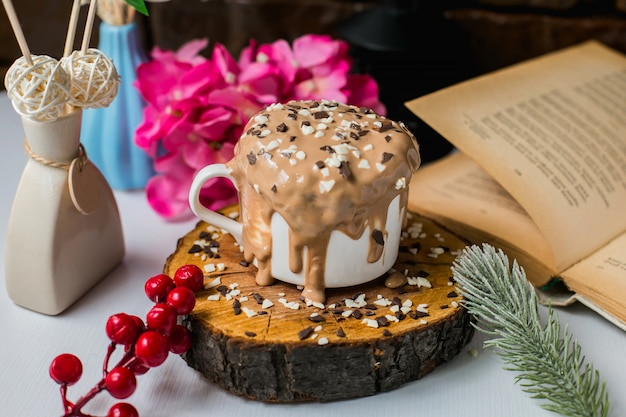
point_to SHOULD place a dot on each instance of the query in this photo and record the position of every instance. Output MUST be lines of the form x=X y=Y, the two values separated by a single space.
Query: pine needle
x=549 y=362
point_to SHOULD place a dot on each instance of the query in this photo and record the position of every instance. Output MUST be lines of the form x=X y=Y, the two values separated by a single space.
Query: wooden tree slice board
x=281 y=354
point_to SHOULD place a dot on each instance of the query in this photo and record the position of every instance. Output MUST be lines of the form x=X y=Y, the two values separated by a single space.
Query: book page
x=551 y=132
x=602 y=278
x=458 y=193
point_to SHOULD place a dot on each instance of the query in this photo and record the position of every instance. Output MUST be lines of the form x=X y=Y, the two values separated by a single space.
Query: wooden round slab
x=265 y=343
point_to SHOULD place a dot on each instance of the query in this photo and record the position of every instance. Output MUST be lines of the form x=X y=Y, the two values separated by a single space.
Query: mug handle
x=216 y=219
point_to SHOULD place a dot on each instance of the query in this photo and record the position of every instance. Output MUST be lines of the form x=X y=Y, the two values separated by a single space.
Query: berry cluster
x=146 y=343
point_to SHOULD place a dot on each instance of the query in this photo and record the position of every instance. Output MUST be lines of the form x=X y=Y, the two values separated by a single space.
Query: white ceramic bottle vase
x=64 y=232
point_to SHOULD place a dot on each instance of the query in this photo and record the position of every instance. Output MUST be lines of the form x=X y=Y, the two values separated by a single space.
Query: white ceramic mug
x=346 y=258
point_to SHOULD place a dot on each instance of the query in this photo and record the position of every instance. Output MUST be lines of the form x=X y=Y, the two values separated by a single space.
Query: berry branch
x=146 y=344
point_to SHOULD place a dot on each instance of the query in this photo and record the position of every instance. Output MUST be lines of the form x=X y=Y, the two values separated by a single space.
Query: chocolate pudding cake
x=323 y=166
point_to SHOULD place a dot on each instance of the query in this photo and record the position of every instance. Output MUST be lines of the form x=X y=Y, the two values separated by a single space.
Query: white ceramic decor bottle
x=64 y=232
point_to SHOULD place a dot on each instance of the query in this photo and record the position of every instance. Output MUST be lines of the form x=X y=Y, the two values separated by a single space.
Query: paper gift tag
x=84 y=191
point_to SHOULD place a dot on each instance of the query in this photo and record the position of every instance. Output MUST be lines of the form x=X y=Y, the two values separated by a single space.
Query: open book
x=541 y=169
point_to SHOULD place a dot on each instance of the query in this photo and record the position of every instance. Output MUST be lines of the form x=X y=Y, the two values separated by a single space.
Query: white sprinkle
x=322 y=341
x=304 y=112
x=383 y=302
x=345 y=123
x=380 y=167
x=318 y=305
x=378 y=123
x=307 y=130
x=261 y=119
x=325 y=172
x=454 y=304
x=273 y=145
x=221 y=266
x=346 y=313
x=300 y=155
x=249 y=312
x=322 y=126
x=318 y=328
x=256 y=188
x=423 y=321
x=209 y=268
x=368 y=147
x=243 y=299
x=401 y=183
x=292 y=162
x=422 y=308
x=213 y=297
x=357 y=154
x=319 y=134
x=233 y=285
x=341 y=149
x=264 y=133
x=405 y=310
x=364 y=164
x=391 y=318
x=407 y=303
x=371 y=323
x=217 y=281
x=281 y=294
x=394 y=308
x=267 y=303
x=326 y=186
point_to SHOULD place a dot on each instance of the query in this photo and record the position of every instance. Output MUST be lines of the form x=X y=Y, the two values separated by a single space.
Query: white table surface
x=466 y=386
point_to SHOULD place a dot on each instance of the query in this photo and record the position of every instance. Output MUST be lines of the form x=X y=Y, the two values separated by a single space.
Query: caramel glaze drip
x=322 y=166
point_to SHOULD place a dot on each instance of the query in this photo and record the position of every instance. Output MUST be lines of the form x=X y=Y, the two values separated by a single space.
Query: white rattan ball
x=39 y=91
x=94 y=78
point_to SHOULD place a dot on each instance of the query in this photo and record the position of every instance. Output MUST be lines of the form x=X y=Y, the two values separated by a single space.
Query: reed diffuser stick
x=17 y=30
x=91 y=15
x=71 y=30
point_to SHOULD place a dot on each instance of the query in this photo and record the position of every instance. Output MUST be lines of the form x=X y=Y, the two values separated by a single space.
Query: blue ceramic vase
x=108 y=133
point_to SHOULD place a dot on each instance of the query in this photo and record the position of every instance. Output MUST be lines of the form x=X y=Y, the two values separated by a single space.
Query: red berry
x=157 y=287
x=180 y=339
x=123 y=328
x=152 y=348
x=161 y=317
x=122 y=410
x=138 y=368
x=120 y=382
x=66 y=369
x=189 y=276
x=182 y=299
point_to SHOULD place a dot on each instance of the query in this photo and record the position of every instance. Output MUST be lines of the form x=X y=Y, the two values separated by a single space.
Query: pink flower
x=196 y=108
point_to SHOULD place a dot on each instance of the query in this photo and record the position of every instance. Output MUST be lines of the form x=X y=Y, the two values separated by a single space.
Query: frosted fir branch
x=549 y=362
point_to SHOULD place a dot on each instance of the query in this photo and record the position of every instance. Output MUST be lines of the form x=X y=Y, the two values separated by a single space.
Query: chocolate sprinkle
x=282 y=128
x=344 y=169
x=386 y=157
x=387 y=138
x=340 y=333
x=328 y=149
x=357 y=314
x=386 y=332
x=320 y=115
x=452 y=294
x=274 y=188
x=251 y=158
x=304 y=333
x=250 y=334
x=237 y=307
x=258 y=298
x=386 y=125
x=418 y=314
x=317 y=319
x=195 y=249
x=382 y=321
x=377 y=235
x=243 y=262
x=320 y=164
